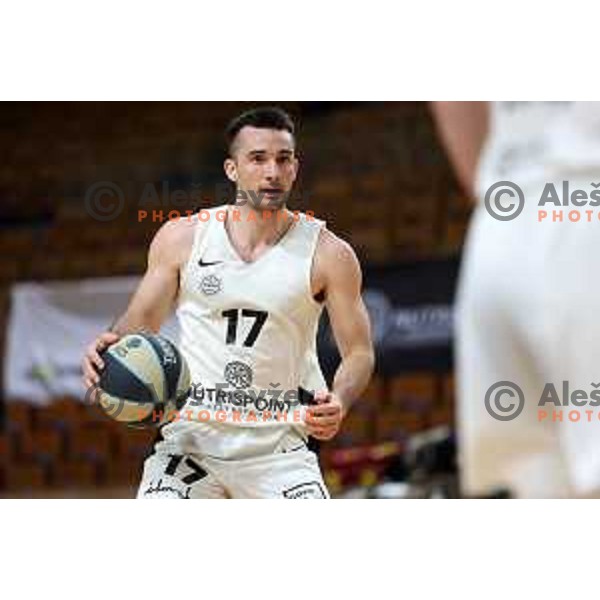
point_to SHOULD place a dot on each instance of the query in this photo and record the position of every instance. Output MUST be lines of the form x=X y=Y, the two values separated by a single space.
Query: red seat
x=124 y=472
x=75 y=474
x=25 y=476
x=89 y=444
x=19 y=416
x=134 y=444
x=47 y=446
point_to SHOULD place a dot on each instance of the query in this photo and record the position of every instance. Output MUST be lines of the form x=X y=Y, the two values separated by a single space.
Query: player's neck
x=254 y=228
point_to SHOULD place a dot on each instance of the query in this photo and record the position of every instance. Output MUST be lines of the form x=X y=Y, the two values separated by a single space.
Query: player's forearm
x=149 y=307
x=132 y=322
x=353 y=375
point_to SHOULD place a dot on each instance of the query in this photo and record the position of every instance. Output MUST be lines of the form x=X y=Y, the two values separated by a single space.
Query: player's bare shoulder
x=173 y=242
x=334 y=259
x=331 y=247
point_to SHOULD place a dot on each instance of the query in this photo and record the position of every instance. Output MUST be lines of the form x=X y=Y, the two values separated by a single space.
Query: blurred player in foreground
x=249 y=282
x=528 y=296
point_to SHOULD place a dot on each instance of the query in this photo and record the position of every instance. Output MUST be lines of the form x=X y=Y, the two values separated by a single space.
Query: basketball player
x=527 y=301
x=249 y=284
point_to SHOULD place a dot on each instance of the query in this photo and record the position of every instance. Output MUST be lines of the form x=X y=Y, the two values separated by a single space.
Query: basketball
x=145 y=380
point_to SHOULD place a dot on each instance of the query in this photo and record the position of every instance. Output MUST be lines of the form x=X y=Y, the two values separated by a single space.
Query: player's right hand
x=92 y=364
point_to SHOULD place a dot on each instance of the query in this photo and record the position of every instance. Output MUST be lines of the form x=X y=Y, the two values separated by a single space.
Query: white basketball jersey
x=248 y=331
x=530 y=143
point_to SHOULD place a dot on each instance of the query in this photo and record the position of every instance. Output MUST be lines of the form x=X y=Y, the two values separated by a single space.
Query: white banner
x=50 y=325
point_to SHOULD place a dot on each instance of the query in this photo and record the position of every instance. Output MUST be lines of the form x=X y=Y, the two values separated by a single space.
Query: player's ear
x=230 y=169
x=296 y=164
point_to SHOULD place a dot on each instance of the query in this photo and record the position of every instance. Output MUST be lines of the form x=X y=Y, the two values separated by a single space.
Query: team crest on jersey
x=211 y=285
x=238 y=374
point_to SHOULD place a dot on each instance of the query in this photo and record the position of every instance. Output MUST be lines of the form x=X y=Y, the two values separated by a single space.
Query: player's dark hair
x=266 y=117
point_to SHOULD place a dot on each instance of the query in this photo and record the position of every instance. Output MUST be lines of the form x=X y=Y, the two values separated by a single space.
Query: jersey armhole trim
x=315 y=245
x=200 y=233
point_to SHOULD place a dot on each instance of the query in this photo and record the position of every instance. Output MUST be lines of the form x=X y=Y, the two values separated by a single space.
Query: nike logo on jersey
x=202 y=263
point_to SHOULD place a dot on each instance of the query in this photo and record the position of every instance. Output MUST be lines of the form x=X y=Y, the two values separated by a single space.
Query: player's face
x=263 y=166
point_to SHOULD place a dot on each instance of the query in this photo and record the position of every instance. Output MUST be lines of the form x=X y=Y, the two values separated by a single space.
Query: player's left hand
x=324 y=419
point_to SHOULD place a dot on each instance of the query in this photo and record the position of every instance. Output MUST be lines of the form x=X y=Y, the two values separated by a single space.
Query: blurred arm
x=462 y=127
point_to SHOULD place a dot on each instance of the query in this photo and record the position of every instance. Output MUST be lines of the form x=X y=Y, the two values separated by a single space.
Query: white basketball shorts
x=288 y=471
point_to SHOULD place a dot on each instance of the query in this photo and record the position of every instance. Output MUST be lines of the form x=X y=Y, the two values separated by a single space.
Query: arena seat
x=75 y=474
x=91 y=444
x=25 y=476
x=19 y=416
x=63 y=414
x=5 y=450
x=124 y=472
x=45 y=447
